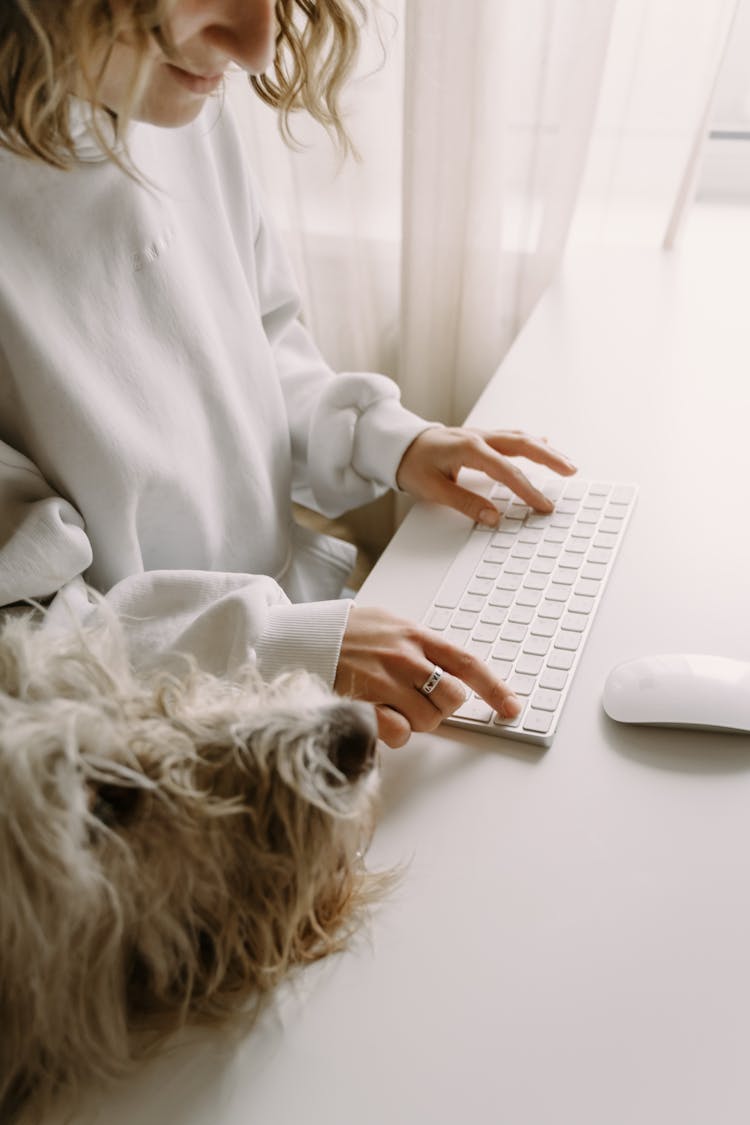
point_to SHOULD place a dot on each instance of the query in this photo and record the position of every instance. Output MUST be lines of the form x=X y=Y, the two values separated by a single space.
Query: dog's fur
x=169 y=848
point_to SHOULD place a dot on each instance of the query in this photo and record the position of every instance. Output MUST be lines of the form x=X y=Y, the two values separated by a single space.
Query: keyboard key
x=472 y=603
x=548 y=550
x=505 y=650
x=578 y=604
x=464 y=620
x=501 y=598
x=512 y=632
x=556 y=592
x=499 y=721
x=586 y=588
x=587 y=515
x=488 y=570
x=560 y=659
x=496 y=554
x=481 y=586
x=510 y=525
x=543 y=627
x=485 y=632
x=495 y=614
x=542 y=566
x=596 y=571
x=545 y=700
x=570 y=507
x=599 y=488
x=575 y=490
x=522 y=685
x=555 y=535
x=570 y=561
x=553 y=678
x=529 y=665
x=599 y=555
x=530 y=534
x=523 y=550
x=503 y=539
x=537 y=646
x=521 y=614
x=516 y=566
x=439 y=619
x=564 y=577
x=535 y=581
x=509 y=581
x=475 y=709
x=576 y=622
x=528 y=597
x=538 y=722
x=552 y=610
x=567 y=640
x=610 y=525
x=616 y=511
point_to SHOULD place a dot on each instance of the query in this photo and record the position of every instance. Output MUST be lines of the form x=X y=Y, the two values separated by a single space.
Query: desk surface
x=569 y=941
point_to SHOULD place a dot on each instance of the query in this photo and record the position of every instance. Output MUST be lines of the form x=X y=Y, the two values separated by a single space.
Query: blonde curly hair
x=51 y=49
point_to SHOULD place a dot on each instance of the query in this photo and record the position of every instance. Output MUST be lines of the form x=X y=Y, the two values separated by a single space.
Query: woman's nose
x=243 y=30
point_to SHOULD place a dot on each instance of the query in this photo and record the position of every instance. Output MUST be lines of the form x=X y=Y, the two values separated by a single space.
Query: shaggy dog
x=169 y=849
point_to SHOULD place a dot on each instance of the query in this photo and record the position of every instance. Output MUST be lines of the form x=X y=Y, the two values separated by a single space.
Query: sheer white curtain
x=492 y=134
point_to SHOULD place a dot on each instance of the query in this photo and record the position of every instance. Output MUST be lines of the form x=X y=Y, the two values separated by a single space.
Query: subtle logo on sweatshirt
x=151 y=252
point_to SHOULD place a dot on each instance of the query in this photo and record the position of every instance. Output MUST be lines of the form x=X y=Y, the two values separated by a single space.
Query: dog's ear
x=354 y=741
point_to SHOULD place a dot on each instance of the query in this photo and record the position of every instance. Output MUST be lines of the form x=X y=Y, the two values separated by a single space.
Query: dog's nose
x=354 y=739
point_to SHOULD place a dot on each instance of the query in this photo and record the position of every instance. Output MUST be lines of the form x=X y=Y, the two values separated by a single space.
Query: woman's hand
x=431 y=464
x=386 y=661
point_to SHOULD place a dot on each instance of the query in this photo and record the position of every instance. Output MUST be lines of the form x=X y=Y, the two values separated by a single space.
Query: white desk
x=570 y=944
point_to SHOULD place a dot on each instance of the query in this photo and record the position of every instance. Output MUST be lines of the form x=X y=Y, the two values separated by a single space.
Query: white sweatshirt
x=161 y=404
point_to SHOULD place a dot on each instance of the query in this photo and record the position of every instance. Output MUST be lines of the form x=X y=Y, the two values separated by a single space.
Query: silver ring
x=432 y=680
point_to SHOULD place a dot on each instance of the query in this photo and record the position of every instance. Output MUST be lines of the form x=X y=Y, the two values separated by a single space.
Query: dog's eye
x=115 y=804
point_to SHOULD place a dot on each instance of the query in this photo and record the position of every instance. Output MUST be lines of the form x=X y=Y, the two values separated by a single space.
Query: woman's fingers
x=447 y=696
x=474 y=673
x=389 y=662
x=516 y=443
x=489 y=454
x=393 y=728
x=431 y=466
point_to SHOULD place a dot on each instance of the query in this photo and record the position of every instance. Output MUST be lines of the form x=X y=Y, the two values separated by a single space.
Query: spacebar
x=462 y=568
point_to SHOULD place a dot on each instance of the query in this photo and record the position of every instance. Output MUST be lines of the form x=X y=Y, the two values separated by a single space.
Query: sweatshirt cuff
x=383 y=434
x=305 y=636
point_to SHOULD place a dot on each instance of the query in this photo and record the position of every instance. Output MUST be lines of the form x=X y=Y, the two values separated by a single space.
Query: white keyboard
x=522 y=596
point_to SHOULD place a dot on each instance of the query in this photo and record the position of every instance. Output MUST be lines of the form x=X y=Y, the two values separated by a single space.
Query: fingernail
x=488 y=517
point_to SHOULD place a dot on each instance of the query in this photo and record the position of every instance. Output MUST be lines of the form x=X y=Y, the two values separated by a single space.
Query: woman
x=161 y=405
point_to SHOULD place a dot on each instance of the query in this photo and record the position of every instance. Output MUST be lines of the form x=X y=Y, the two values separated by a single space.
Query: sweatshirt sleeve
x=221 y=620
x=349 y=431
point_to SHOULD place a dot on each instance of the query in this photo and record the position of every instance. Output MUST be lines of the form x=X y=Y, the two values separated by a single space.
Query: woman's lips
x=195 y=83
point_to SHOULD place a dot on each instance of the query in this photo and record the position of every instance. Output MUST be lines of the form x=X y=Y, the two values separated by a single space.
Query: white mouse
x=681 y=690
